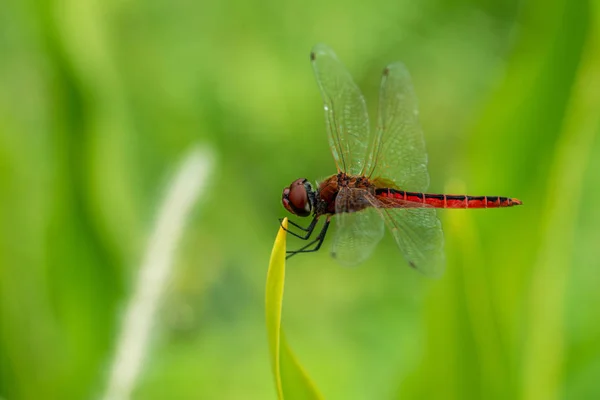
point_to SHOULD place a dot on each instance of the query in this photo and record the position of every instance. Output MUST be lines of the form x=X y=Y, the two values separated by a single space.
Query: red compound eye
x=295 y=198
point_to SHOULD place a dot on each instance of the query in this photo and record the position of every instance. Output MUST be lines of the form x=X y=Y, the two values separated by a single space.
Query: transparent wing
x=398 y=152
x=391 y=202
x=358 y=232
x=345 y=111
x=418 y=234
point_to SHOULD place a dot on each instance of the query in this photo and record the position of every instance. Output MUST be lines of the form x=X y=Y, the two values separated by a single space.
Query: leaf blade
x=291 y=380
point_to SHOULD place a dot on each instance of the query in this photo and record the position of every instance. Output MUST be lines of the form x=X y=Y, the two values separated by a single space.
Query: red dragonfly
x=374 y=173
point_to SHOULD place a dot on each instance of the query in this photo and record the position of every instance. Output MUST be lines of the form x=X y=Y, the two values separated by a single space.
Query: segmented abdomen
x=448 y=200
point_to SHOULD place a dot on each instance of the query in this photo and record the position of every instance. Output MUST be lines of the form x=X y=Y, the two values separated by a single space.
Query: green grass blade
x=296 y=382
x=291 y=381
x=545 y=353
x=273 y=300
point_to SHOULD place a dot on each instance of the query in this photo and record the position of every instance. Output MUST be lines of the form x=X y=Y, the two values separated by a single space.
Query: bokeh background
x=99 y=100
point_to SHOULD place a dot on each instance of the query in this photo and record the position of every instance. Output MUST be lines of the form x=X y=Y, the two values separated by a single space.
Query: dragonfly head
x=299 y=198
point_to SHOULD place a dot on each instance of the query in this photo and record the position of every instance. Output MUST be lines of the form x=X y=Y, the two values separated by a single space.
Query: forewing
x=345 y=111
x=358 y=232
x=398 y=152
x=418 y=234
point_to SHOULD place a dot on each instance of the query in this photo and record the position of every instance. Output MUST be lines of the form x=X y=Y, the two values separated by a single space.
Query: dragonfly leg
x=297 y=225
x=309 y=229
x=318 y=240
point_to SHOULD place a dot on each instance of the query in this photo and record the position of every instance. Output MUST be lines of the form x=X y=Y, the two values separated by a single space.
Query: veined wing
x=345 y=111
x=392 y=202
x=418 y=234
x=359 y=226
x=398 y=152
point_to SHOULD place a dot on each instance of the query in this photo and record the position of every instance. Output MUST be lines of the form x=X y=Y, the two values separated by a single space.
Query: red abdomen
x=446 y=200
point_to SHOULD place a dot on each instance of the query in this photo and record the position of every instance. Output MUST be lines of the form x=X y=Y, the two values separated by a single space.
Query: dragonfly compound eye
x=295 y=198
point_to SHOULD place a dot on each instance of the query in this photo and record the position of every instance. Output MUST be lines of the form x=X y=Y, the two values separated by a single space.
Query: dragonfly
x=381 y=177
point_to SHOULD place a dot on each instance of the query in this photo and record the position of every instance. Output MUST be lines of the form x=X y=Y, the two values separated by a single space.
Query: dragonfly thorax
x=299 y=198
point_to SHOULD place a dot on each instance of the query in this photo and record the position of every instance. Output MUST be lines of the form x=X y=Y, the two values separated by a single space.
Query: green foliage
x=291 y=380
x=98 y=100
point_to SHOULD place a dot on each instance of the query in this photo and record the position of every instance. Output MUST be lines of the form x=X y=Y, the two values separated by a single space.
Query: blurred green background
x=100 y=100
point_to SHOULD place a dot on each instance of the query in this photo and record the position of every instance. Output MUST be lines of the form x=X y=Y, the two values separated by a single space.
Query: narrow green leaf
x=291 y=381
x=273 y=300
x=545 y=351
x=296 y=382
